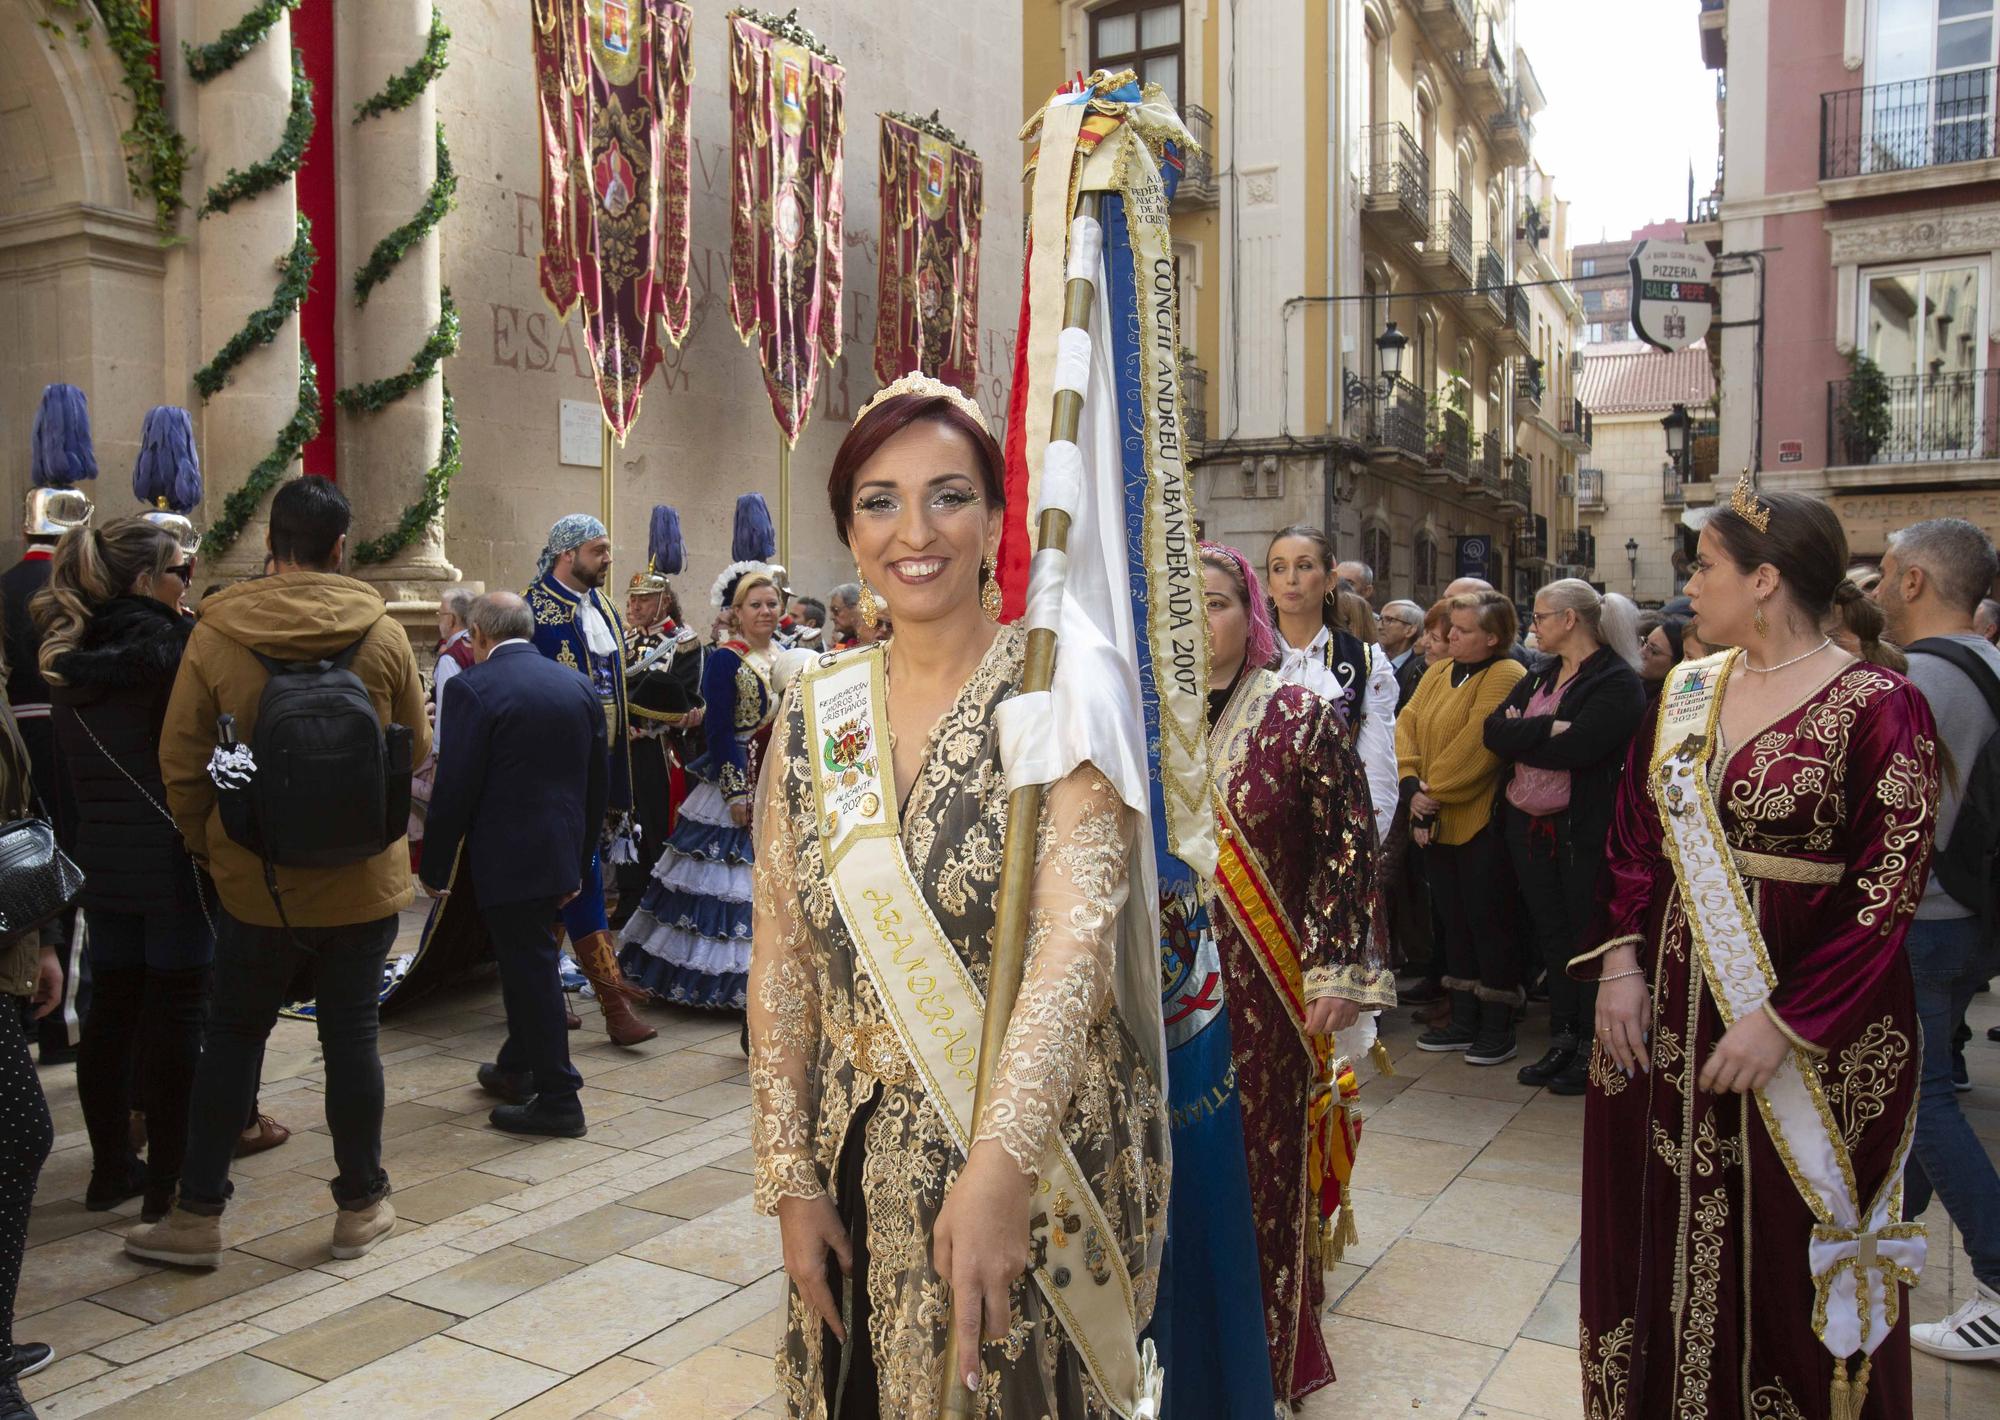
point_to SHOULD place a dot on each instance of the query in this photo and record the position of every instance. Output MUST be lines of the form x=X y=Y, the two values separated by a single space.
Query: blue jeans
x=1949 y=958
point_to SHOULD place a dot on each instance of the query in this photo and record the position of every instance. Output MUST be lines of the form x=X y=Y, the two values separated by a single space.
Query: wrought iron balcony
x=1449 y=245
x=1482 y=69
x=1511 y=130
x=1194 y=399
x=1487 y=469
x=1451 y=449
x=1520 y=319
x=1943 y=418
x=1528 y=386
x=1396 y=191
x=1531 y=538
x=1520 y=487
x=1198 y=186
x=1394 y=424
x=1449 y=23
x=1579 y=549
x=1913 y=123
x=1576 y=425
x=1589 y=488
x=1673 y=494
x=1488 y=310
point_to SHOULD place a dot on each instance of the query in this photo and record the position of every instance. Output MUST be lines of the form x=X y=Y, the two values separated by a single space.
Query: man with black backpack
x=1933 y=576
x=286 y=753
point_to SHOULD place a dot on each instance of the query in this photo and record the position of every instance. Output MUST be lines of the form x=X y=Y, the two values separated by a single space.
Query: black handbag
x=37 y=879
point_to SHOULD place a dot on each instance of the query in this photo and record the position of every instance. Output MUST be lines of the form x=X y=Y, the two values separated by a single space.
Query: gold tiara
x=917 y=382
x=1743 y=503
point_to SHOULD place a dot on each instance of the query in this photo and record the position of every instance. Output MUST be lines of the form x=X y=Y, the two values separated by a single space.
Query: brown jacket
x=296 y=616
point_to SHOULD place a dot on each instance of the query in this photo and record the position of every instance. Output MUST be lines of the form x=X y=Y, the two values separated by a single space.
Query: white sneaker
x=1972 y=1333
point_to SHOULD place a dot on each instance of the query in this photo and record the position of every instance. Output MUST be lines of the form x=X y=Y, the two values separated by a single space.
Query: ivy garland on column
x=204 y=63
x=155 y=152
x=399 y=93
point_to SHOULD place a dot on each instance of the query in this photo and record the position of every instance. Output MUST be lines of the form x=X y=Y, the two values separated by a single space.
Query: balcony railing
x=1590 y=488
x=1398 y=181
x=1486 y=473
x=1194 y=398
x=1531 y=538
x=1482 y=66
x=1672 y=493
x=1511 y=130
x=1913 y=123
x=1453 y=450
x=1579 y=549
x=1577 y=423
x=1521 y=315
x=1451 y=231
x=1528 y=383
x=1449 y=21
x=1707 y=209
x=1941 y=418
x=1198 y=173
x=1395 y=423
x=1520 y=489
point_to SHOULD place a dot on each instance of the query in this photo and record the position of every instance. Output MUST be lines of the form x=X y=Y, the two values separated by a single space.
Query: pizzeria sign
x=1673 y=293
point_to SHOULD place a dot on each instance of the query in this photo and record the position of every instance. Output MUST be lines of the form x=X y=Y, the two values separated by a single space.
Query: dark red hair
x=891 y=417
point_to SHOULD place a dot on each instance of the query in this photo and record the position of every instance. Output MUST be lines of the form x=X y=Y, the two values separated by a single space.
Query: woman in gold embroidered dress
x=1824 y=778
x=883 y=1221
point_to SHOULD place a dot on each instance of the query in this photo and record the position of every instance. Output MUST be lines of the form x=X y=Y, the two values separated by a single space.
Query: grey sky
x=1630 y=107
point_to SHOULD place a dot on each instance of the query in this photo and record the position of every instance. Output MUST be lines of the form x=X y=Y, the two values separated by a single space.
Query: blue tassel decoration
x=755 y=540
x=168 y=472
x=62 y=453
x=663 y=542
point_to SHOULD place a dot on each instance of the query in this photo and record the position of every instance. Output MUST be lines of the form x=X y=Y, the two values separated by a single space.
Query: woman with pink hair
x=1291 y=913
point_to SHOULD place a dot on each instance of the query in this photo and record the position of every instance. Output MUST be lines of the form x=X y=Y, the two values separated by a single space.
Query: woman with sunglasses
x=113 y=630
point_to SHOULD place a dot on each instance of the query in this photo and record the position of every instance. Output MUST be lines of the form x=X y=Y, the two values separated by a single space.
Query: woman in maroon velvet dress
x=1296 y=805
x=1697 y=1291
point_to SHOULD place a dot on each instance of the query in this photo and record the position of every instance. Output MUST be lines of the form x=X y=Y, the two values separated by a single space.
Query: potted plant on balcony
x=1453 y=396
x=1864 y=409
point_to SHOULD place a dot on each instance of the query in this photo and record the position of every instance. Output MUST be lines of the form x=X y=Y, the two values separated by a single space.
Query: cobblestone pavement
x=626 y=1275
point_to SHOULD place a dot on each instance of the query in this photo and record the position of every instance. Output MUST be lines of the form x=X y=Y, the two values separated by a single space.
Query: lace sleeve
x=1080 y=886
x=784 y=1000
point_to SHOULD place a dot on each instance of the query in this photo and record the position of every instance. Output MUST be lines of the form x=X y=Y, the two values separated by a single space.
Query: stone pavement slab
x=626 y=1274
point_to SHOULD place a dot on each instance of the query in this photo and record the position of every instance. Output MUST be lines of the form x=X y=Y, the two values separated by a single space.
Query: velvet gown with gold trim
x=838 y=1110
x=1285 y=765
x=1696 y=1296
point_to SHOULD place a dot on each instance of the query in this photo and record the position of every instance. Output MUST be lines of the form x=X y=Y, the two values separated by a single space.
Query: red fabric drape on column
x=312 y=33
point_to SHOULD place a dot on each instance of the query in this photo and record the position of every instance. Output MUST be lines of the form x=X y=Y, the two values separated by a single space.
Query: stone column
x=387 y=164
x=239 y=120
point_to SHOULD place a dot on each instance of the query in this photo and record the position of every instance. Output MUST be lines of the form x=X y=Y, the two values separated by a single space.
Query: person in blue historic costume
x=689 y=942
x=577 y=626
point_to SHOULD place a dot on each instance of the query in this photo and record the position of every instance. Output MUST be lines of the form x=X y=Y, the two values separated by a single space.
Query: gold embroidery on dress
x=1908 y=798
x=1774 y=1402
x=1859 y=1088
x=1606 y=1360
x=1704 y=1296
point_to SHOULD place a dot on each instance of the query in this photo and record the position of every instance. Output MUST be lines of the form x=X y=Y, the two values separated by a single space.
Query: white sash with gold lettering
x=936 y=1007
x=1854 y=1260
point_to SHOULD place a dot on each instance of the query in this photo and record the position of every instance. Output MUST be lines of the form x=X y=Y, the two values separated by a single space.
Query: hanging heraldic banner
x=612 y=81
x=786 y=203
x=932 y=205
x=1673 y=293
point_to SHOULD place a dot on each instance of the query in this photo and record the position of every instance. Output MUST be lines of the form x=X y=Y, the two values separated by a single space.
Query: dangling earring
x=1763 y=626
x=989 y=591
x=870 y=609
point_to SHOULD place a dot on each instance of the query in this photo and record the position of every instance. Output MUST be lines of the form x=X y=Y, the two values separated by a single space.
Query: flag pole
x=607 y=443
x=1024 y=812
x=784 y=502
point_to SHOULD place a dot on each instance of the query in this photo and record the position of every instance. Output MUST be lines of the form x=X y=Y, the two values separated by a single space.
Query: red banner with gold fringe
x=787 y=205
x=927 y=315
x=612 y=83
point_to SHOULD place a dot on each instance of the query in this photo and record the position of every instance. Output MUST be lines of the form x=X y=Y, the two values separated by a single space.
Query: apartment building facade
x=1364 y=165
x=1858 y=231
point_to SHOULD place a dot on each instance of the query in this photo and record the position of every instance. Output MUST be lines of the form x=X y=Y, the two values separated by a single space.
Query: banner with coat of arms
x=932 y=205
x=613 y=79
x=786 y=199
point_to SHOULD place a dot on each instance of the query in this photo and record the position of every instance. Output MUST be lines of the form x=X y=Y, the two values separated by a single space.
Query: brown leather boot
x=595 y=957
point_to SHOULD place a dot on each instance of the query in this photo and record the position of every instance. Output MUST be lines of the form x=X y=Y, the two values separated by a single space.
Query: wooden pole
x=1024 y=812
x=785 y=504
x=609 y=443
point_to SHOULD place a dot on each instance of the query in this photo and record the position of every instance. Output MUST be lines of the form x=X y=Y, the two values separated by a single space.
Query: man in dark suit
x=521 y=785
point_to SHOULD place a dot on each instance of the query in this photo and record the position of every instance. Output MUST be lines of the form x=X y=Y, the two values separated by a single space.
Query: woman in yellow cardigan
x=1450 y=779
